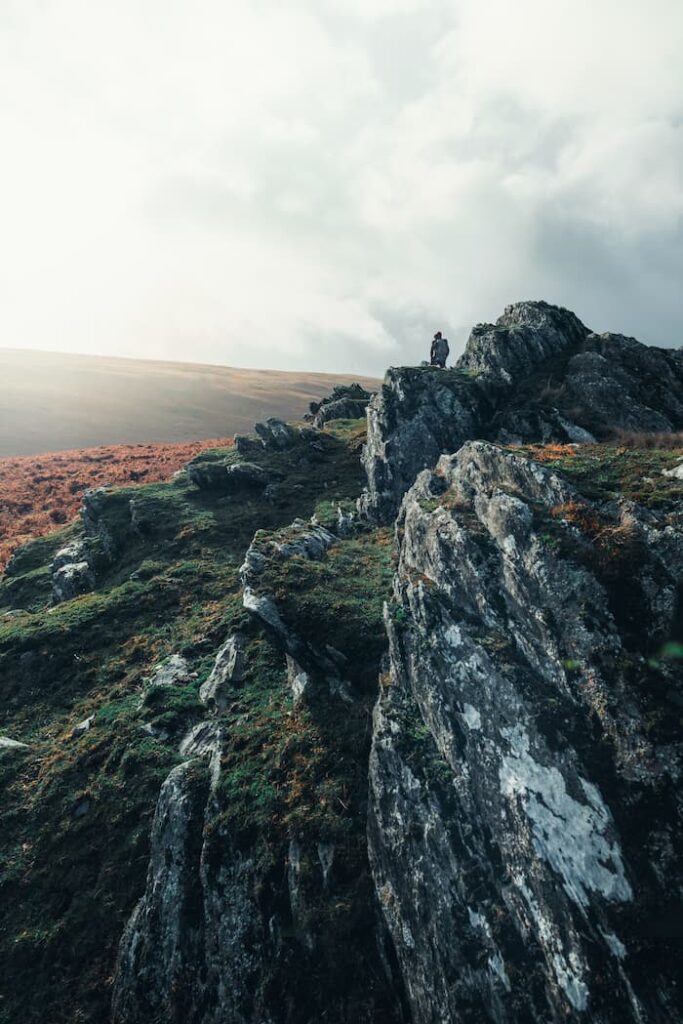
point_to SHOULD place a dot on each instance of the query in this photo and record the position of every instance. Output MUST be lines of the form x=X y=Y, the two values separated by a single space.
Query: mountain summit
x=536 y=375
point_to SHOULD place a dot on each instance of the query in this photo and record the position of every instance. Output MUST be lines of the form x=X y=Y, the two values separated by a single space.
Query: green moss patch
x=603 y=472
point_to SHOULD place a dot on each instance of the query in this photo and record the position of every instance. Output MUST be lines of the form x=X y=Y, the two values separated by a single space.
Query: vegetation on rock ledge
x=76 y=811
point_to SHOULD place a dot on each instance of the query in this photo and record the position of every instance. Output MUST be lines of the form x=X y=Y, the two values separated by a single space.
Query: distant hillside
x=52 y=401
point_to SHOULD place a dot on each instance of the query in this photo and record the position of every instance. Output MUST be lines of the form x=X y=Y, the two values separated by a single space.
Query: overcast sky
x=321 y=184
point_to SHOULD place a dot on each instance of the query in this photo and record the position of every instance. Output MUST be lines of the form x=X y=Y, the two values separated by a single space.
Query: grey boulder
x=72 y=574
x=83 y=727
x=173 y=671
x=8 y=744
x=276 y=434
x=228 y=478
x=227 y=672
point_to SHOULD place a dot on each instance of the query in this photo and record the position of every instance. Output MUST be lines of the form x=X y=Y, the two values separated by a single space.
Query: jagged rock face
x=227 y=672
x=247 y=446
x=524 y=337
x=276 y=435
x=524 y=776
x=229 y=931
x=72 y=571
x=174 y=671
x=536 y=375
x=94 y=503
x=71 y=580
x=195 y=946
x=210 y=943
x=420 y=414
x=160 y=949
x=417 y=415
x=626 y=385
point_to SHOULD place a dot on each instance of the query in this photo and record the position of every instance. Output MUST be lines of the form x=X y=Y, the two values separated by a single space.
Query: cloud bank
x=321 y=184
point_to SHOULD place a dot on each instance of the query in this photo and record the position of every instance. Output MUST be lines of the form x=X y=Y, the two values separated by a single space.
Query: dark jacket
x=440 y=350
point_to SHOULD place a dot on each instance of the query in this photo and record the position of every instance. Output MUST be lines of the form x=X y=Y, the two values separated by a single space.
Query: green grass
x=605 y=472
x=39 y=552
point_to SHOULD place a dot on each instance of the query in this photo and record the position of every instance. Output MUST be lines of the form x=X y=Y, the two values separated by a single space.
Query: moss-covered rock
x=76 y=812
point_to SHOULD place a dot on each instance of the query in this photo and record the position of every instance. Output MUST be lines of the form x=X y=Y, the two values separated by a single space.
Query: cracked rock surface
x=523 y=802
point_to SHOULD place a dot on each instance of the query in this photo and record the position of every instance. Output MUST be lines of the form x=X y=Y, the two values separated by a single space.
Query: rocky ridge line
x=537 y=375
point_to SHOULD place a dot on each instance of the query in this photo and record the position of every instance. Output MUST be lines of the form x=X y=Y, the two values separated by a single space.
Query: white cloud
x=320 y=183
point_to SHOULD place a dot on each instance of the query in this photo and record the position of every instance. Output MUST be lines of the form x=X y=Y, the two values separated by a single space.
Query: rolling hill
x=52 y=401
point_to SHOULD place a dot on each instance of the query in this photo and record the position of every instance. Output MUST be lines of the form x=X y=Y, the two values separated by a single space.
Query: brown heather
x=41 y=492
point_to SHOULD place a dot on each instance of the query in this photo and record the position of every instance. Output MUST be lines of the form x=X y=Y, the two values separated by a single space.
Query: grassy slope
x=69 y=879
x=39 y=492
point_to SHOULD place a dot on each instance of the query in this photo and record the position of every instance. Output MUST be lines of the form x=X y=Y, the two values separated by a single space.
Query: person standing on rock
x=440 y=350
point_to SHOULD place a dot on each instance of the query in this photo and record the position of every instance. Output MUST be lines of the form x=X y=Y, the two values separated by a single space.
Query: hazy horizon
x=53 y=401
x=320 y=185
x=180 y=361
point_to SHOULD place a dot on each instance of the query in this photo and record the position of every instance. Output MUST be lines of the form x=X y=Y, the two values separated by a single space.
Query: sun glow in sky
x=321 y=184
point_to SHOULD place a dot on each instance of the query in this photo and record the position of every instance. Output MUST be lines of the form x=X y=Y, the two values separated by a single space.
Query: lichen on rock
x=496 y=767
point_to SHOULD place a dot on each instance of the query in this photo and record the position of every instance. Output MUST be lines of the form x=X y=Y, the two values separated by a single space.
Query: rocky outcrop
x=212 y=941
x=525 y=783
x=347 y=402
x=82 y=727
x=227 y=673
x=156 y=973
x=497 y=842
x=228 y=478
x=230 y=929
x=526 y=336
x=676 y=473
x=9 y=744
x=173 y=671
x=72 y=572
x=419 y=413
x=617 y=383
x=247 y=446
x=194 y=944
x=536 y=375
x=276 y=435
x=93 y=516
